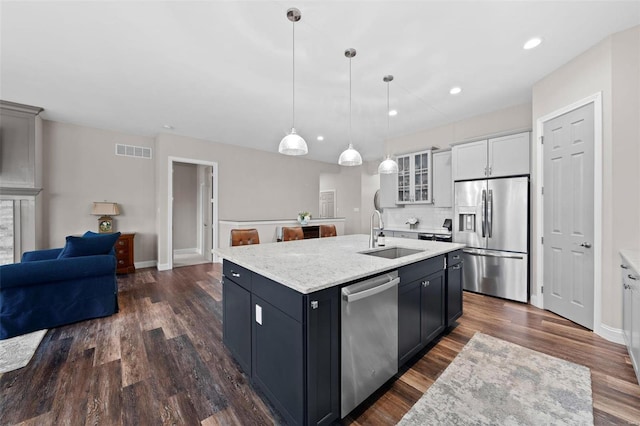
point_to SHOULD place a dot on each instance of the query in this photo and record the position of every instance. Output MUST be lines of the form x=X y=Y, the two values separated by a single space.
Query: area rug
x=493 y=382
x=16 y=352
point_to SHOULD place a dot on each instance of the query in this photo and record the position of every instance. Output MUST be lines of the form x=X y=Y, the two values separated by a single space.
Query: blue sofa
x=60 y=286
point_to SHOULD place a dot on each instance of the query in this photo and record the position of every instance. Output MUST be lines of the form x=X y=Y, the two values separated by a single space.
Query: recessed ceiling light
x=168 y=127
x=455 y=90
x=534 y=42
x=393 y=113
x=320 y=138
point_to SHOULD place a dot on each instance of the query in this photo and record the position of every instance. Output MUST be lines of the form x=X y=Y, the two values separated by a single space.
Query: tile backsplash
x=430 y=217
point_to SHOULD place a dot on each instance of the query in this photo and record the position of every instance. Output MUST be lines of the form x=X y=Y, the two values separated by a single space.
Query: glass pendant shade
x=293 y=144
x=388 y=166
x=350 y=157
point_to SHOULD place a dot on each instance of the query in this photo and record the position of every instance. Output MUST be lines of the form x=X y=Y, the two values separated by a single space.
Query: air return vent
x=133 y=151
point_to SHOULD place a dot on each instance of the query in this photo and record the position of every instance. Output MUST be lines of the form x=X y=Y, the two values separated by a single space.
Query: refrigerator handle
x=483 y=214
x=490 y=213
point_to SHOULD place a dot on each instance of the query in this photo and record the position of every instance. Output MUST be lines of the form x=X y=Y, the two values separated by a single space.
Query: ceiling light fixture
x=293 y=143
x=168 y=127
x=350 y=157
x=455 y=90
x=393 y=112
x=532 y=43
x=388 y=166
x=320 y=138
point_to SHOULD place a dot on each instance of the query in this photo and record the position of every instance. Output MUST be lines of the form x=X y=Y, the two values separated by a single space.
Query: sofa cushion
x=89 y=245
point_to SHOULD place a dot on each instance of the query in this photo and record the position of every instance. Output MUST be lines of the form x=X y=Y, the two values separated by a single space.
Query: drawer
x=454 y=257
x=123 y=243
x=238 y=274
x=421 y=269
x=122 y=263
x=121 y=251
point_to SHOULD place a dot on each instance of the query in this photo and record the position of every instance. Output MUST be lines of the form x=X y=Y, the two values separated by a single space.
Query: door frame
x=335 y=207
x=214 y=190
x=538 y=300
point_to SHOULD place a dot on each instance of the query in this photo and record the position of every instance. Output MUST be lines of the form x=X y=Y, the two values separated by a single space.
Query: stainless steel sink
x=391 y=252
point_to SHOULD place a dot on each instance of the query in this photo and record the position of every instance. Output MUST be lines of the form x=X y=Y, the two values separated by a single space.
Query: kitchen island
x=282 y=312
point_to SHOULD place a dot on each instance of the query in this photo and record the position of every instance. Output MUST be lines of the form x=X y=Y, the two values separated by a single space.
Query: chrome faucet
x=372 y=238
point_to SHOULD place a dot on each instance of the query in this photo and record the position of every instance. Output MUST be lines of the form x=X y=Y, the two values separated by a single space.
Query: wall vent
x=133 y=151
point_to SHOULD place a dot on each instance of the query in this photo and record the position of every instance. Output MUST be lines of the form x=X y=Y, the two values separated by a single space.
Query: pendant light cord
x=387 y=110
x=293 y=88
x=350 y=101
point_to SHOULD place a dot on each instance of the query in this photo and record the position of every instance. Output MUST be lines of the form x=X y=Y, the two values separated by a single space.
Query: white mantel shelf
x=315 y=264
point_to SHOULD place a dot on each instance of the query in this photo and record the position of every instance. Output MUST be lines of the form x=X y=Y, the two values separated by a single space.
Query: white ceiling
x=221 y=70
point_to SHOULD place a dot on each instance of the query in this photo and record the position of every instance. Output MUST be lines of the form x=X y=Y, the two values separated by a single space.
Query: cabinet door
x=469 y=160
x=409 y=335
x=454 y=293
x=421 y=177
x=278 y=358
x=323 y=356
x=236 y=305
x=403 y=183
x=626 y=305
x=387 y=197
x=432 y=300
x=635 y=324
x=509 y=155
x=442 y=182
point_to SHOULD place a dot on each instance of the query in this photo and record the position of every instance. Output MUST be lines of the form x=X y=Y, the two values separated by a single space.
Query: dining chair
x=243 y=237
x=292 y=233
x=328 y=231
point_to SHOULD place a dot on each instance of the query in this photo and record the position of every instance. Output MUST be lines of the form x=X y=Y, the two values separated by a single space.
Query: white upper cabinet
x=469 y=160
x=495 y=157
x=509 y=155
x=442 y=181
x=414 y=178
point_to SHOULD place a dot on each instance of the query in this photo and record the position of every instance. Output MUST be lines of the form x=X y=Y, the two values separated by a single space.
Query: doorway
x=192 y=211
x=569 y=212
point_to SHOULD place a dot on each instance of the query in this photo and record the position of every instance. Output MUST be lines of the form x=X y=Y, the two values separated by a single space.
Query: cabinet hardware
x=456 y=257
x=235 y=274
x=623 y=266
x=458 y=266
x=314 y=304
x=258 y=314
x=425 y=283
x=631 y=277
x=585 y=245
x=489 y=170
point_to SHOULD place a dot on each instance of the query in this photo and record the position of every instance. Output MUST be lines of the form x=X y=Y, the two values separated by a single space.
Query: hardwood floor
x=161 y=360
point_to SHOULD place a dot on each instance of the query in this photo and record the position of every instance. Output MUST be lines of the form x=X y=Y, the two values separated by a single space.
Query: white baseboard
x=146 y=264
x=163 y=267
x=611 y=334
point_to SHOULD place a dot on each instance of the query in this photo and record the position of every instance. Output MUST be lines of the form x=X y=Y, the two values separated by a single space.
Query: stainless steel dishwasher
x=369 y=338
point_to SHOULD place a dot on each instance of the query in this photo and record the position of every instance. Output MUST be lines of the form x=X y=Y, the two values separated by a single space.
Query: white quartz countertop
x=318 y=263
x=633 y=258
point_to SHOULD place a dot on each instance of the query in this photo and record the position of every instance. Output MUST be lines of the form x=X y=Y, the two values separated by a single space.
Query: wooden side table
x=124 y=254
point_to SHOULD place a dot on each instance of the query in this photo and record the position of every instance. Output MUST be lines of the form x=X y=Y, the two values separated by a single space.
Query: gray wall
x=185 y=206
x=80 y=167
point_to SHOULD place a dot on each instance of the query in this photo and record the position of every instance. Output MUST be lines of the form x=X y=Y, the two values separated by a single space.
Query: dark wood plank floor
x=161 y=360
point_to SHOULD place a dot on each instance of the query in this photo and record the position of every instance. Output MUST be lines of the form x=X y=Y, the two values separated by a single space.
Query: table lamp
x=105 y=210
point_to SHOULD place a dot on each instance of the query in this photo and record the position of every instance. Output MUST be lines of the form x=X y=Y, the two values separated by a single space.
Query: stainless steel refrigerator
x=492 y=218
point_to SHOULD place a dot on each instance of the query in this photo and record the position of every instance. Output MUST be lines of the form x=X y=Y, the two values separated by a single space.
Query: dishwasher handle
x=352 y=297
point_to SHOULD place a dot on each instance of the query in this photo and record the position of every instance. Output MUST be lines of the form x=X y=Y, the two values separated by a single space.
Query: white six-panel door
x=569 y=215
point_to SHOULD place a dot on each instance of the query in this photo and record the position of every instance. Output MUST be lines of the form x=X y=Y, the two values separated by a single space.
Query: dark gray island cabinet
x=288 y=342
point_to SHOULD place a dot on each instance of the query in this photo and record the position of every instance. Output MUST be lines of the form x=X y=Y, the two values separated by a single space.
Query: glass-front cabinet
x=414 y=178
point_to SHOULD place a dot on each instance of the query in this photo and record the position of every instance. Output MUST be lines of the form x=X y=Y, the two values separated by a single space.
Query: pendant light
x=350 y=157
x=388 y=166
x=293 y=143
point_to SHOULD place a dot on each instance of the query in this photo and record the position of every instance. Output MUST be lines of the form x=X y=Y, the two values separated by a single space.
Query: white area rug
x=493 y=382
x=16 y=352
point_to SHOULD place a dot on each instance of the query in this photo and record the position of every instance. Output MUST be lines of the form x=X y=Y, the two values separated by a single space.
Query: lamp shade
x=293 y=144
x=105 y=209
x=388 y=166
x=350 y=157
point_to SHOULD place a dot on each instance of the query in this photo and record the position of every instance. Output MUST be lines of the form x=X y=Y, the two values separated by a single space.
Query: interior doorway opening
x=193 y=216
